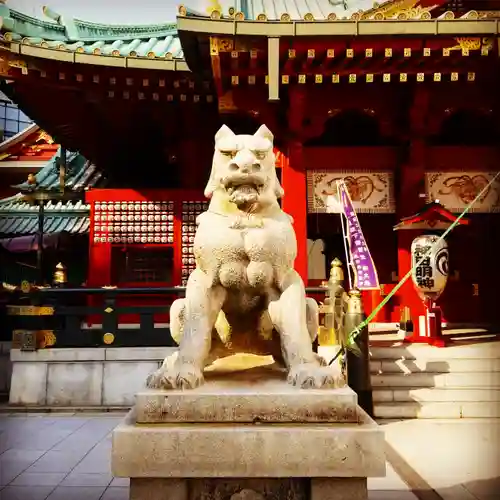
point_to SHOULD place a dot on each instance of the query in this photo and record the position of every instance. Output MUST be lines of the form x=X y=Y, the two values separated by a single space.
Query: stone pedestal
x=248 y=436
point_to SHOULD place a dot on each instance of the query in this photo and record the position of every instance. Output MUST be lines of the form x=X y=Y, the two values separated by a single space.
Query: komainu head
x=243 y=169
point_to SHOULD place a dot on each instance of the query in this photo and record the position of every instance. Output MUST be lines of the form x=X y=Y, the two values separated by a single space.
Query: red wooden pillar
x=412 y=184
x=293 y=180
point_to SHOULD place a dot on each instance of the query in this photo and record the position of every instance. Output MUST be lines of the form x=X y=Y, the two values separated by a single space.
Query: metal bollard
x=358 y=365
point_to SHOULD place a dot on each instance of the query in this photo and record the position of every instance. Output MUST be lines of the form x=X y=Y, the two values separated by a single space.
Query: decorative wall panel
x=190 y=210
x=371 y=192
x=456 y=190
x=133 y=222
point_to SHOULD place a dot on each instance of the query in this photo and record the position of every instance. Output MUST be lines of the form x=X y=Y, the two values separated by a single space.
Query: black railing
x=94 y=317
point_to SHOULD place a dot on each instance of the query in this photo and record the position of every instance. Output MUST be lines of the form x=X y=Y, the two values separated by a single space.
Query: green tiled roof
x=157 y=41
x=20 y=218
x=17 y=217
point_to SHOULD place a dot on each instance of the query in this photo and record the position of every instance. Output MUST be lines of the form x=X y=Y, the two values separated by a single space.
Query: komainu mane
x=244 y=295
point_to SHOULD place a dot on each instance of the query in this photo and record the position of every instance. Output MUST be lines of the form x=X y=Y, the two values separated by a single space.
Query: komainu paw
x=313 y=376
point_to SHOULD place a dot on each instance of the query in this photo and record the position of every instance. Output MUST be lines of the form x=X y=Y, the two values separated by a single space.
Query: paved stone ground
x=67 y=457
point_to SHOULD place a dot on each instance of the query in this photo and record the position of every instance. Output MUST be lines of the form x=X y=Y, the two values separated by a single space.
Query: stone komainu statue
x=244 y=295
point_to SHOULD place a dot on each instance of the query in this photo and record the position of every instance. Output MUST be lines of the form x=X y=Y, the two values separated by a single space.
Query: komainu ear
x=224 y=131
x=264 y=132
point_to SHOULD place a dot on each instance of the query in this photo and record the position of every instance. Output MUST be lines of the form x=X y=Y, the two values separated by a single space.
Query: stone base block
x=249 y=489
x=260 y=394
x=236 y=450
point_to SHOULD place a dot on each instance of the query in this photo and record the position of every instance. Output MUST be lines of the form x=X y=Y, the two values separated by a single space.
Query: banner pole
x=344 y=237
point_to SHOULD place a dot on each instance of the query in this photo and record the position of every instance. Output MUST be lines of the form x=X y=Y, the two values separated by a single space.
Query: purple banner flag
x=365 y=273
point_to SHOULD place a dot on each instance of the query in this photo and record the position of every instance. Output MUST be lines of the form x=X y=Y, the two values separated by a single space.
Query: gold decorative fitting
x=454 y=77
x=332 y=16
x=309 y=17
x=330 y=53
x=484 y=51
x=215 y=14
x=471 y=76
x=182 y=11
x=368 y=52
x=251 y=80
x=285 y=18
x=177 y=84
x=60 y=274
x=161 y=82
x=318 y=78
x=156 y=96
x=291 y=53
x=44 y=45
x=126 y=94
x=231 y=11
x=108 y=338
x=114 y=53
x=235 y=80
x=97 y=51
x=266 y=79
x=169 y=56
x=448 y=15
x=407 y=52
x=302 y=78
x=108 y=310
x=335 y=78
x=355 y=16
x=403 y=77
x=388 y=52
x=8 y=37
x=111 y=93
x=145 y=82
x=369 y=78
x=81 y=50
x=253 y=54
x=183 y=97
x=427 y=52
x=446 y=52
x=239 y=16
x=336 y=270
x=437 y=77
x=420 y=77
x=196 y=98
x=49 y=339
x=151 y=55
x=386 y=77
x=402 y=16
x=285 y=79
x=311 y=53
x=112 y=81
x=349 y=53
x=465 y=52
x=261 y=17
x=352 y=78
x=379 y=16
x=234 y=54
x=25 y=286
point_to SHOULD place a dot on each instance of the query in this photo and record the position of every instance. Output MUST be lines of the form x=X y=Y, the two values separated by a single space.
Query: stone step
x=441 y=380
x=437 y=410
x=419 y=365
x=435 y=395
x=483 y=350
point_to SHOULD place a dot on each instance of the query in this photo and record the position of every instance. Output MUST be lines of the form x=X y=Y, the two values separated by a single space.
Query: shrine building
x=399 y=99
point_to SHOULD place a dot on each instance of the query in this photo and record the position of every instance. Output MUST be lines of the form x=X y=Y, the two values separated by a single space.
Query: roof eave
x=369 y=27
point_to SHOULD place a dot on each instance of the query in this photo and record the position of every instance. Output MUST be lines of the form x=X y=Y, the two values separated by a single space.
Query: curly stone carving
x=244 y=295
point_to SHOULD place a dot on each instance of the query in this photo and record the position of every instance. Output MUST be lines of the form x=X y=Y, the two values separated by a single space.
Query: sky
x=112 y=11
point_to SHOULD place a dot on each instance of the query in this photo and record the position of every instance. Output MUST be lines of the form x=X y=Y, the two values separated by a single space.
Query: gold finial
x=337 y=271
x=60 y=277
x=354 y=303
x=214 y=5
